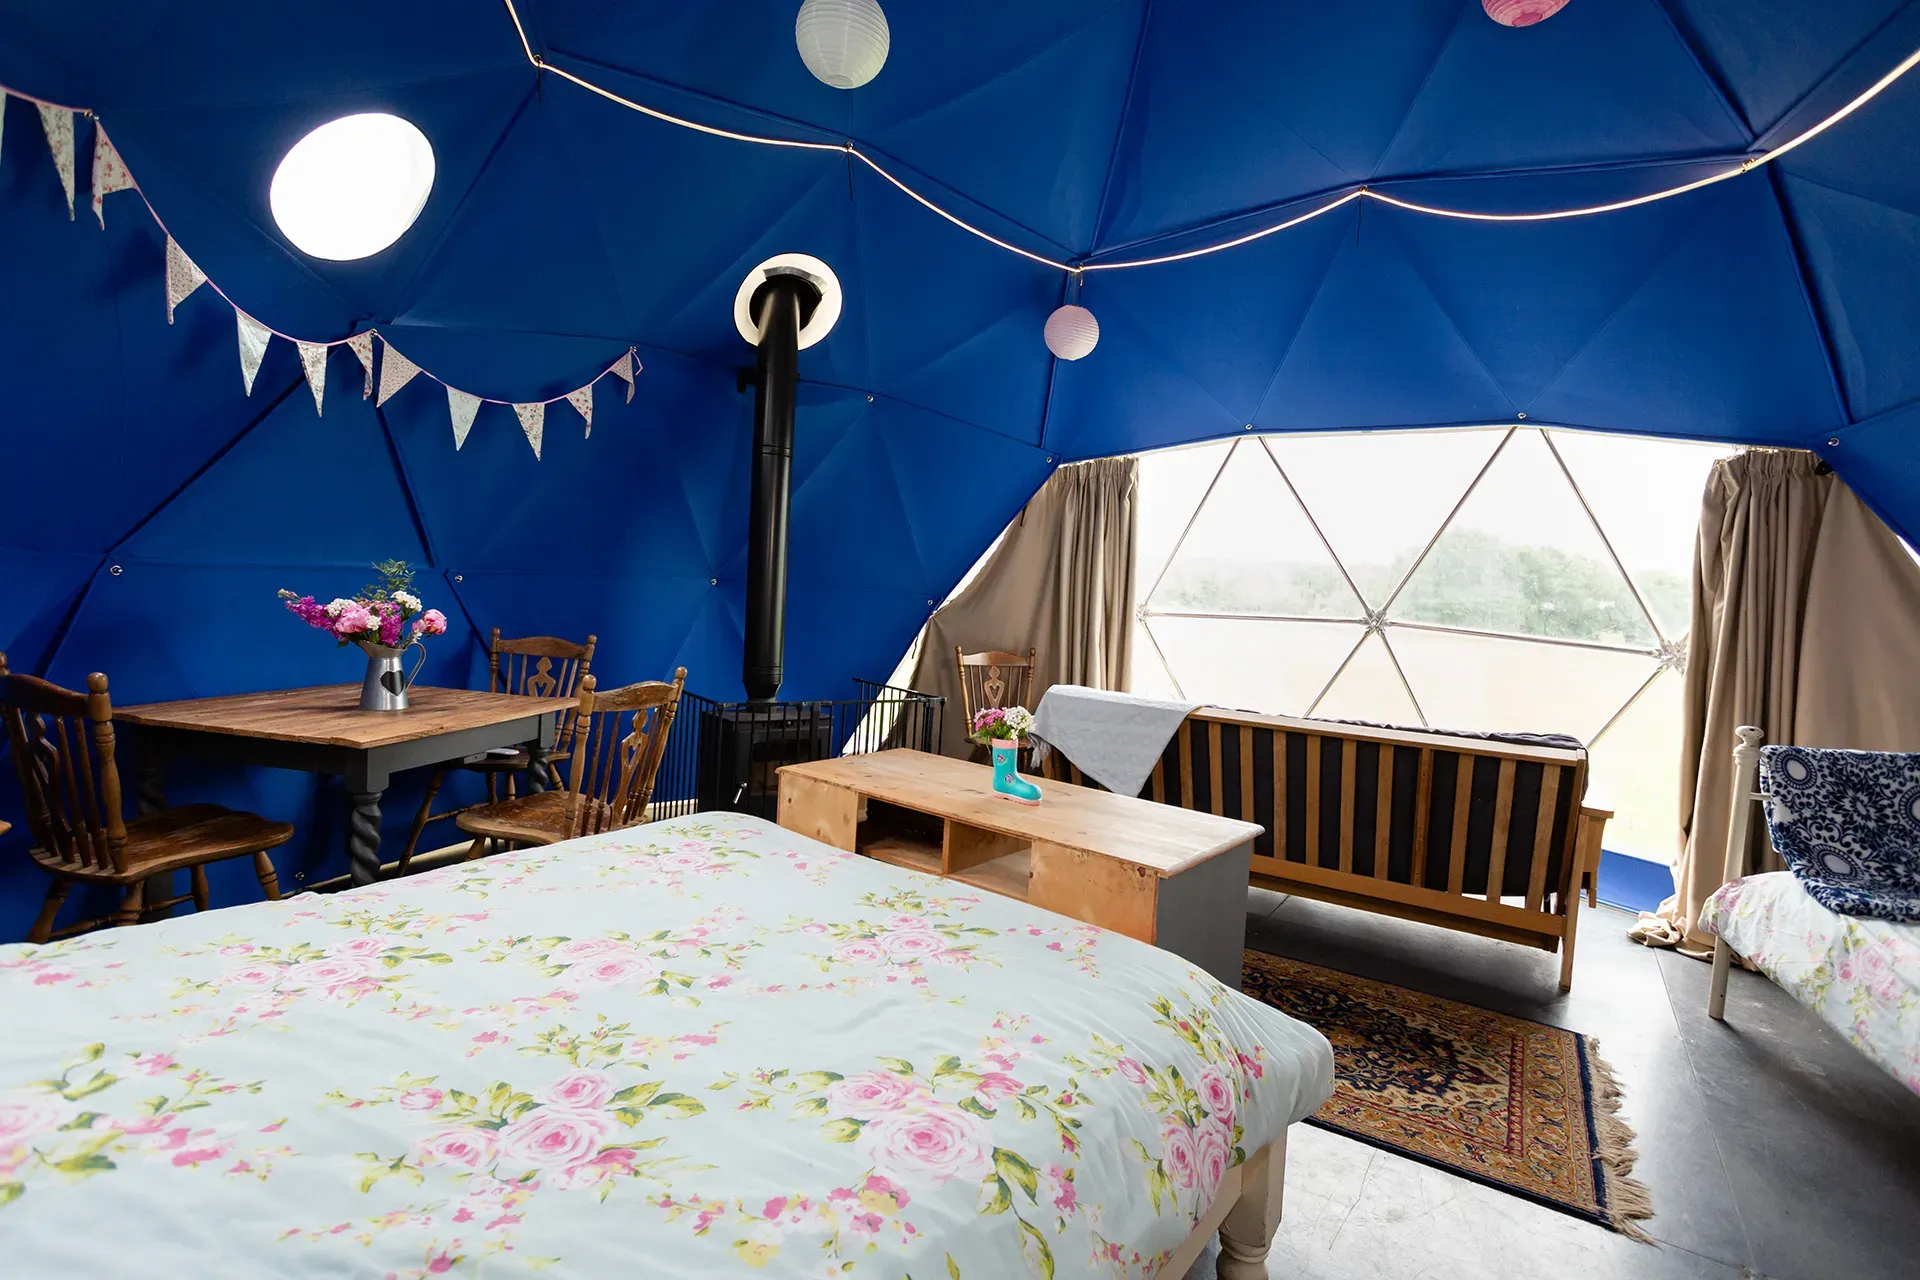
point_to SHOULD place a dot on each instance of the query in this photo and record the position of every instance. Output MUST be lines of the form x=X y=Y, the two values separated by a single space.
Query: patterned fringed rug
x=1521 y=1106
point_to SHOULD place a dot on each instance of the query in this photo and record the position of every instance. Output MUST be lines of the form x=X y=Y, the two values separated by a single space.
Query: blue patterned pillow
x=1848 y=824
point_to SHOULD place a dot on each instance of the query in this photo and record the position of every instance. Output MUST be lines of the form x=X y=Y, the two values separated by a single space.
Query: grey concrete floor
x=1771 y=1147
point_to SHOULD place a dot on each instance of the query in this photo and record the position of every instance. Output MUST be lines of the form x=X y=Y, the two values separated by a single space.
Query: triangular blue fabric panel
x=1319 y=125
x=1752 y=353
x=1377 y=349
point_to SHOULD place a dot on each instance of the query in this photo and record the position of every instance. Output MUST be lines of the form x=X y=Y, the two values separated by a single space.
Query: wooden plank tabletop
x=1164 y=838
x=330 y=715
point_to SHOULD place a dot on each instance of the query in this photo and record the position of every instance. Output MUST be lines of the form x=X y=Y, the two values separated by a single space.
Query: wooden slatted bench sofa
x=1485 y=834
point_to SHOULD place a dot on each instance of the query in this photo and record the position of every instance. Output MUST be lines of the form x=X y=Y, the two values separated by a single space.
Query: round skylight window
x=353 y=186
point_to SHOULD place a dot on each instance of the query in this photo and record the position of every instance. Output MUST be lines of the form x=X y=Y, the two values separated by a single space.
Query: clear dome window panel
x=1522 y=557
x=1520 y=686
x=1253 y=550
x=1635 y=771
x=1380 y=497
x=1251 y=665
x=1172 y=483
x=1370 y=689
x=1646 y=495
x=1148 y=676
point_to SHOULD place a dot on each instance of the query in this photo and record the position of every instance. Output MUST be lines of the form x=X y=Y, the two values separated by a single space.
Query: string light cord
x=1736 y=166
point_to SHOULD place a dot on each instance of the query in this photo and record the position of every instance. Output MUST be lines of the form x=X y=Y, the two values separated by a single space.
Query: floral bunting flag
x=254 y=338
x=583 y=401
x=58 y=122
x=396 y=371
x=361 y=344
x=461 y=407
x=625 y=367
x=182 y=277
x=313 y=359
x=533 y=419
x=109 y=173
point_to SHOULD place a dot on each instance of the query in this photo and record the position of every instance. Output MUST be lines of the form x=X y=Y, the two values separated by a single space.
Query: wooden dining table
x=323 y=730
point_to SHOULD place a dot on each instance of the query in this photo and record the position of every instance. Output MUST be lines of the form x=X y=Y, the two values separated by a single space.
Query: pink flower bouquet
x=1012 y=723
x=386 y=614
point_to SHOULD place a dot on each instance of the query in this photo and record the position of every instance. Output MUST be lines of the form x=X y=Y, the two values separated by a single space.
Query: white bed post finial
x=1746 y=777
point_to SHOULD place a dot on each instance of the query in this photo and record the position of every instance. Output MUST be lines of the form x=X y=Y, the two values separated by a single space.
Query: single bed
x=1860 y=976
x=702 y=1047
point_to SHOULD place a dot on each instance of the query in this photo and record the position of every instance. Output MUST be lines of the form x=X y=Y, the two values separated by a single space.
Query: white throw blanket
x=1114 y=738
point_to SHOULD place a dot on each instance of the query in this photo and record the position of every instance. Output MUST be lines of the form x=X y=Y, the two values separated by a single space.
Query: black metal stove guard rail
x=726 y=756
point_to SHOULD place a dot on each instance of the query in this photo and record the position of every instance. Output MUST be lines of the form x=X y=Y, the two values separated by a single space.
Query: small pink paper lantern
x=1521 y=13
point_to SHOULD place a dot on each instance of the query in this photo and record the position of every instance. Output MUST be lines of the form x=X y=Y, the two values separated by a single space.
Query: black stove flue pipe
x=780 y=307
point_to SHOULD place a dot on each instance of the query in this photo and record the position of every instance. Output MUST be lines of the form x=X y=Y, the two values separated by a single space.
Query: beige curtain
x=1806 y=622
x=1060 y=582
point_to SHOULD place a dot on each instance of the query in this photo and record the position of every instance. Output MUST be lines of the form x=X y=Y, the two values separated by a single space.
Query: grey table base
x=365 y=770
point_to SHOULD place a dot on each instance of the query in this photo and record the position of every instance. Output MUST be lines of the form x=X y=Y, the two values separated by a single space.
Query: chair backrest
x=63 y=748
x=526 y=666
x=994 y=679
x=621 y=739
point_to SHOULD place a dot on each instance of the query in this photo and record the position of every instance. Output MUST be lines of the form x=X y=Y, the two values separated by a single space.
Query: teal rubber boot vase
x=1007 y=781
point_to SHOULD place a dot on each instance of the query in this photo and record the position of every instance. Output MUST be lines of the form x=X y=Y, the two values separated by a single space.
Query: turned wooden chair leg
x=478 y=849
x=420 y=820
x=131 y=903
x=1246 y=1236
x=269 y=881
x=43 y=923
x=198 y=875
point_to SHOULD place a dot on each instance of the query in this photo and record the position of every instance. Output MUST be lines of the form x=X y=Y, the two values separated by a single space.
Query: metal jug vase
x=386 y=685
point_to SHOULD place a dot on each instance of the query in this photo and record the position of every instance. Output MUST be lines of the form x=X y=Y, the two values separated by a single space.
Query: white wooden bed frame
x=1746 y=793
x=1246 y=1213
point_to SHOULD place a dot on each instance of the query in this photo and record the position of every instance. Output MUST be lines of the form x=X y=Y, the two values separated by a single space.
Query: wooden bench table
x=1166 y=876
x=323 y=730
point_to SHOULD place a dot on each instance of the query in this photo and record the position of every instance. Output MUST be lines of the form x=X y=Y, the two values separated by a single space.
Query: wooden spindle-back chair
x=64 y=750
x=620 y=738
x=527 y=667
x=994 y=679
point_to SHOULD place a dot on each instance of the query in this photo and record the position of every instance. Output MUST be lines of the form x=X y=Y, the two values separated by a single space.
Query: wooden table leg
x=153 y=798
x=153 y=780
x=363 y=837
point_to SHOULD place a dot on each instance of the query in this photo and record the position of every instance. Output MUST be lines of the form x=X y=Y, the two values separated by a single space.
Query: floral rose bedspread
x=1861 y=976
x=702 y=1047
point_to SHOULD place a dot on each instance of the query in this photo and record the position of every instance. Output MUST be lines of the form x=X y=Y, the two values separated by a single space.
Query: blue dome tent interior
x=1687 y=221
x=156 y=507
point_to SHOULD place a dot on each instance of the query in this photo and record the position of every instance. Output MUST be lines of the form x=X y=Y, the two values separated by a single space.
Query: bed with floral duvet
x=702 y=1047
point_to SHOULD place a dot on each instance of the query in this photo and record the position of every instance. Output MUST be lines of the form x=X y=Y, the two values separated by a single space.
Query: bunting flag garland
x=313 y=359
x=254 y=338
x=109 y=173
x=361 y=345
x=533 y=419
x=624 y=369
x=461 y=407
x=583 y=401
x=182 y=277
x=396 y=371
x=58 y=122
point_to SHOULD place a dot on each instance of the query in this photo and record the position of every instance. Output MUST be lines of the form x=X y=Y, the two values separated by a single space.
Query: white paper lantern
x=1521 y=13
x=1072 y=332
x=843 y=42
